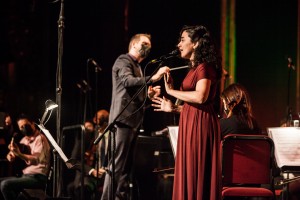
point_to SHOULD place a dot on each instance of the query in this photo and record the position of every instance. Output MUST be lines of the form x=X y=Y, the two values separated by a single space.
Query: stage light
x=50 y=105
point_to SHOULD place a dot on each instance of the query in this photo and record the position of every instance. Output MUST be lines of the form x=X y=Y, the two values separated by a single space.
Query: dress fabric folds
x=197 y=164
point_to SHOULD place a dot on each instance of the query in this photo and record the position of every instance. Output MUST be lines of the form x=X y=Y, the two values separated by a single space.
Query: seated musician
x=5 y=138
x=37 y=160
x=94 y=162
x=237 y=105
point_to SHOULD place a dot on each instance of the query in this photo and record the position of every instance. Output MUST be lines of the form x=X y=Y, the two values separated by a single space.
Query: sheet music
x=287 y=145
x=54 y=144
x=173 y=133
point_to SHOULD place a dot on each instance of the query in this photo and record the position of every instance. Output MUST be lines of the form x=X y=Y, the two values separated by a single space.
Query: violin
x=90 y=155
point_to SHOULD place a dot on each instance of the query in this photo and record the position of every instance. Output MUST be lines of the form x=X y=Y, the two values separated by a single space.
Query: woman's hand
x=168 y=82
x=162 y=104
x=153 y=91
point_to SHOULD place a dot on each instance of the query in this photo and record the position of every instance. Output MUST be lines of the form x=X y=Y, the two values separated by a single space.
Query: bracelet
x=174 y=109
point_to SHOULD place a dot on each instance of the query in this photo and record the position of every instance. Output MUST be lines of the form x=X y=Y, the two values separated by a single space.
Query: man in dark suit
x=127 y=78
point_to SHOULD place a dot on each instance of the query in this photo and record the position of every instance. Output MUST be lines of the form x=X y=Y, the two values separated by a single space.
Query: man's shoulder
x=123 y=57
x=123 y=60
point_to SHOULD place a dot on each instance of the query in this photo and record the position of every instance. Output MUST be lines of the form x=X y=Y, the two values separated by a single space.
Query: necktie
x=102 y=152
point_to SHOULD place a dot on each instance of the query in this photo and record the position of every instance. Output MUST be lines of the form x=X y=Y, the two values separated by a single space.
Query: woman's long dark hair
x=237 y=99
x=206 y=50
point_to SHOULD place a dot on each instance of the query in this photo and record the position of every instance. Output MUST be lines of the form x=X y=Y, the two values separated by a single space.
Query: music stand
x=173 y=136
x=287 y=155
x=286 y=140
x=73 y=163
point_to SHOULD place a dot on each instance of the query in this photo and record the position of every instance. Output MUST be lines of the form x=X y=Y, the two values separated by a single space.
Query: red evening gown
x=197 y=165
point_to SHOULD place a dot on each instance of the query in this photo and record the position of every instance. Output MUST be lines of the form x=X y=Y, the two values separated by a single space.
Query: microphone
x=97 y=67
x=172 y=54
x=160 y=132
x=87 y=86
x=290 y=63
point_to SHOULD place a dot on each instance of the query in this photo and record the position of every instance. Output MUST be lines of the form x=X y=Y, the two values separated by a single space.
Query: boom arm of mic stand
x=112 y=124
x=109 y=127
x=286 y=181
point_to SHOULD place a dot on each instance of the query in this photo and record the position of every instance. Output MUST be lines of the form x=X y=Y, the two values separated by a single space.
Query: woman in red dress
x=197 y=165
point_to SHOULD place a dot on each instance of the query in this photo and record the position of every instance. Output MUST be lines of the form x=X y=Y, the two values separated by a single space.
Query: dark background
x=266 y=34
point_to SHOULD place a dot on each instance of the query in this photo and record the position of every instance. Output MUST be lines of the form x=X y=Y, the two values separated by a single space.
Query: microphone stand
x=112 y=129
x=286 y=181
x=96 y=88
x=98 y=158
x=56 y=172
x=85 y=105
x=289 y=116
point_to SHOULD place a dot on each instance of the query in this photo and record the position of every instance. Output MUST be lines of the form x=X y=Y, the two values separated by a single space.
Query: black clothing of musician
x=92 y=180
x=237 y=105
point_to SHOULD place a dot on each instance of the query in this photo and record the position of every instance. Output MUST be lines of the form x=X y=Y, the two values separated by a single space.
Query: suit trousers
x=125 y=139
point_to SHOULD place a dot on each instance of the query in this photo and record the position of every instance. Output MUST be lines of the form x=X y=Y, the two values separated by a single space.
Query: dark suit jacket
x=127 y=78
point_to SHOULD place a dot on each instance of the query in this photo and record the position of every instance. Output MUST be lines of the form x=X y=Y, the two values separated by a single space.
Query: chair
x=247 y=162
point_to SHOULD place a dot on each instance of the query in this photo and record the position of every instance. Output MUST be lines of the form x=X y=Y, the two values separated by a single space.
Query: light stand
x=61 y=27
x=50 y=105
x=71 y=164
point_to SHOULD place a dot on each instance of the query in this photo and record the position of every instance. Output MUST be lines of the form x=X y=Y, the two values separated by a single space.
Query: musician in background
x=6 y=126
x=238 y=108
x=95 y=156
x=37 y=160
x=5 y=138
x=101 y=121
x=6 y=133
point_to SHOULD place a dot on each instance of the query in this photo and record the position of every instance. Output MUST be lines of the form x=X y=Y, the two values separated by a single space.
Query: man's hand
x=13 y=147
x=10 y=156
x=160 y=73
x=100 y=173
x=154 y=91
